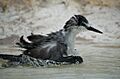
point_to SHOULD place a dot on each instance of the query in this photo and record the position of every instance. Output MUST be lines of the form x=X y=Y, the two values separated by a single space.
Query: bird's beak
x=88 y=27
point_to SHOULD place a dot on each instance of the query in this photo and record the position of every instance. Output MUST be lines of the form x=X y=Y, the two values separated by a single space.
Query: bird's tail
x=24 y=44
x=10 y=57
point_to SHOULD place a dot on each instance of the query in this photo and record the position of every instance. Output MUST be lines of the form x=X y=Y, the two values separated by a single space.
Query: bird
x=57 y=45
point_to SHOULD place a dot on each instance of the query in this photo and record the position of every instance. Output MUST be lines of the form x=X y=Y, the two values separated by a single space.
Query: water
x=101 y=61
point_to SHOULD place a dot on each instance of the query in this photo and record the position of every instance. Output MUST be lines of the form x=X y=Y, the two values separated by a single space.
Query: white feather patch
x=25 y=38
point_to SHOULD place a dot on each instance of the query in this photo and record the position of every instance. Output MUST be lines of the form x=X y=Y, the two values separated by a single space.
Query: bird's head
x=79 y=23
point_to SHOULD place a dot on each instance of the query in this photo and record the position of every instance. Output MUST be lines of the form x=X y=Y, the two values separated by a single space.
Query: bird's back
x=52 y=46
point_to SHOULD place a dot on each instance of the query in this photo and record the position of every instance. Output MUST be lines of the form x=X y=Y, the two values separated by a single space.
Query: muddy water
x=101 y=61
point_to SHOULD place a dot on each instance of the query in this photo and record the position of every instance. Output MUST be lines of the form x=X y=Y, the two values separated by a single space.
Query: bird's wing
x=36 y=38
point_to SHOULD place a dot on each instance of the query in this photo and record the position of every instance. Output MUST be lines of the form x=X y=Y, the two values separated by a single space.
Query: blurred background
x=21 y=17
